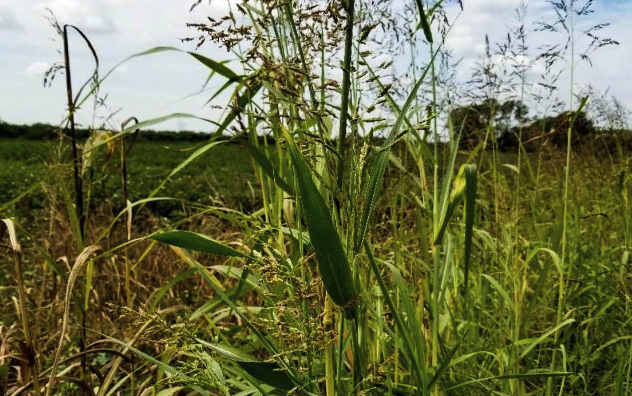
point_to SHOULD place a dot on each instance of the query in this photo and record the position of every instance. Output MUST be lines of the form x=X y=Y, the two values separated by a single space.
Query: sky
x=160 y=84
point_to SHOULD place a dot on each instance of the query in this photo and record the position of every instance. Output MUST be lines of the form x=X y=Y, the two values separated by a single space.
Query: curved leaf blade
x=332 y=260
x=196 y=242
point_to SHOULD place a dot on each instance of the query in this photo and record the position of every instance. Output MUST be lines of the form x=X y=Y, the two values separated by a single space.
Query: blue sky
x=152 y=86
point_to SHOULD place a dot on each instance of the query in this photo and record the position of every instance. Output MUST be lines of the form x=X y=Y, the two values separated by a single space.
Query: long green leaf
x=332 y=260
x=218 y=67
x=195 y=242
x=143 y=125
x=267 y=372
x=544 y=336
x=182 y=165
x=527 y=375
x=414 y=327
x=447 y=362
x=243 y=99
x=503 y=293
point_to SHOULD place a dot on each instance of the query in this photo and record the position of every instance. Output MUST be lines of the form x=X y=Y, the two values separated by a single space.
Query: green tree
x=474 y=120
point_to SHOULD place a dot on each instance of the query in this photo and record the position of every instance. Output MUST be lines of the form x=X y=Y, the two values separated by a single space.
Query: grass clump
x=338 y=241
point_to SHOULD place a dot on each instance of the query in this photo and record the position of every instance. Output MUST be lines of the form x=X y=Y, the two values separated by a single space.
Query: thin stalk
x=436 y=214
x=560 y=301
x=78 y=184
x=28 y=339
x=124 y=177
x=520 y=271
x=329 y=351
x=346 y=84
x=75 y=151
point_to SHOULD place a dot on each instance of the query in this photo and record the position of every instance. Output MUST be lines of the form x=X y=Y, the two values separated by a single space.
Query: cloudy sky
x=156 y=85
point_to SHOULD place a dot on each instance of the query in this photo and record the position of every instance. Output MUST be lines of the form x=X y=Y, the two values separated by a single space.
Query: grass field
x=293 y=253
x=224 y=175
x=514 y=269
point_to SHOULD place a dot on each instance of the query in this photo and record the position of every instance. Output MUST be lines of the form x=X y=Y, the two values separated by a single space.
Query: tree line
x=505 y=124
x=508 y=125
x=42 y=131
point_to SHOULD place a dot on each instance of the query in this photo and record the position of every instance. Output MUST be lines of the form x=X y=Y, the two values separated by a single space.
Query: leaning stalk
x=78 y=184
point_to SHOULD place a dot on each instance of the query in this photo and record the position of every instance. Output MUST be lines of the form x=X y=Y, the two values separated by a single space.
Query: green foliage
x=332 y=258
x=285 y=263
x=476 y=119
x=508 y=121
x=195 y=242
x=220 y=174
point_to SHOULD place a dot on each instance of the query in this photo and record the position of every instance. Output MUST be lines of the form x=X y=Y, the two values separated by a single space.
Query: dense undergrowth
x=413 y=266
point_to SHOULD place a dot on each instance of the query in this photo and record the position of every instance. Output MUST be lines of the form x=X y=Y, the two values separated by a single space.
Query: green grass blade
x=143 y=125
x=243 y=99
x=220 y=68
x=582 y=103
x=508 y=302
x=414 y=327
x=267 y=372
x=544 y=336
x=266 y=166
x=447 y=362
x=406 y=341
x=332 y=260
x=182 y=165
x=449 y=203
x=527 y=375
x=375 y=181
x=423 y=21
x=471 y=176
x=379 y=168
x=195 y=242
x=217 y=67
x=218 y=92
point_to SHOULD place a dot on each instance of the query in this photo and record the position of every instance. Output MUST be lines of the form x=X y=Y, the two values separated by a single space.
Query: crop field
x=341 y=231
x=225 y=175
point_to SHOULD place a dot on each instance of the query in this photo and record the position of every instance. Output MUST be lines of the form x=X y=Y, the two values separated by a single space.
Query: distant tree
x=473 y=120
x=6 y=131
x=504 y=120
x=553 y=130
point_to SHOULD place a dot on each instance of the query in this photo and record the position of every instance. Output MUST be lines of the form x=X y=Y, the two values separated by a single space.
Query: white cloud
x=8 y=21
x=36 y=69
x=90 y=16
x=98 y=24
x=147 y=87
x=494 y=17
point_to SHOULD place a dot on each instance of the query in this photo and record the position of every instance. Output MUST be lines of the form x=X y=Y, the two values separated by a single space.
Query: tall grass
x=395 y=266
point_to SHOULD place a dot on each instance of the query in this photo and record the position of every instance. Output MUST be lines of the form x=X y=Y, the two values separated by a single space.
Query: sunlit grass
x=298 y=263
